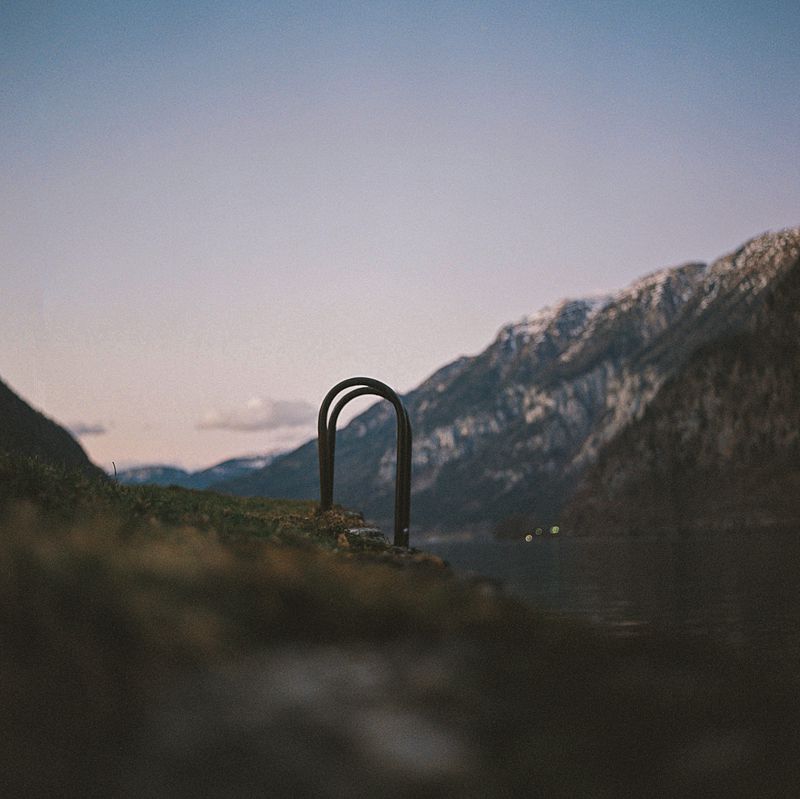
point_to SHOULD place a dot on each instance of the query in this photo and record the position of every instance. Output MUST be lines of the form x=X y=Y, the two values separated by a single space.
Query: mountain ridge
x=166 y=475
x=511 y=430
x=719 y=447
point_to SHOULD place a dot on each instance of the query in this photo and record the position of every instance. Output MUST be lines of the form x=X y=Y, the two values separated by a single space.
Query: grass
x=117 y=601
x=68 y=496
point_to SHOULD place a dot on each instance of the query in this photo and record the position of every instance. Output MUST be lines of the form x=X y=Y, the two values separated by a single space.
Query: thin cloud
x=81 y=429
x=260 y=413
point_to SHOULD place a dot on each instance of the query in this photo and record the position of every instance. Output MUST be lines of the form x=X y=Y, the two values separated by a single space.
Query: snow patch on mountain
x=567 y=317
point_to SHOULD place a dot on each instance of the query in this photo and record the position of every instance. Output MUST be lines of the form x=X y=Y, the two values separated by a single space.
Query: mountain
x=511 y=431
x=719 y=447
x=28 y=433
x=162 y=475
x=155 y=474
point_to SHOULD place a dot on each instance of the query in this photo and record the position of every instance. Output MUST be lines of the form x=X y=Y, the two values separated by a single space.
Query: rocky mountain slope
x=719 y=447
x=163 y=475
x=510 y=432
x=28 y=433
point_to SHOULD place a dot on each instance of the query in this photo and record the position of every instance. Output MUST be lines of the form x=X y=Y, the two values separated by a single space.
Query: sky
x=213 y=212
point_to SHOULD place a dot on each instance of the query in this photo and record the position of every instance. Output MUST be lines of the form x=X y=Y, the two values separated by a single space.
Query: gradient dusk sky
x=213 y=212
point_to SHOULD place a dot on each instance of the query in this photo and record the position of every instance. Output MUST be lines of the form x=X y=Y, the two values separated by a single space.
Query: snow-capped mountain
x=510 y=431
x=719 y=446
x=163 y=475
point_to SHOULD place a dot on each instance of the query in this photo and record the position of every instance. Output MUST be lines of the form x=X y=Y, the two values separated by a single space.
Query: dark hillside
x=26 y=432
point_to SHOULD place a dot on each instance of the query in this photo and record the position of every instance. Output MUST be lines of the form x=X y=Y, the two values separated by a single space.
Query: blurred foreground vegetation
x=173 y=643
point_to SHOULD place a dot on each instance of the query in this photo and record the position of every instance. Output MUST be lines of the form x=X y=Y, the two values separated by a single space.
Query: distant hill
x=512 y=431
x=161 y=475
x=27 y=432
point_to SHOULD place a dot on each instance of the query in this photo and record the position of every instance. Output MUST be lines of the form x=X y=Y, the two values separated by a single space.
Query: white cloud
x=260 y=413
x=81 y=429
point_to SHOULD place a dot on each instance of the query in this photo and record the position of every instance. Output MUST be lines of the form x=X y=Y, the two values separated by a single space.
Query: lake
x=738 y=590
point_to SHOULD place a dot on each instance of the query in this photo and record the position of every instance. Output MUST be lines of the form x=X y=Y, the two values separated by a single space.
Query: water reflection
x=741 y=590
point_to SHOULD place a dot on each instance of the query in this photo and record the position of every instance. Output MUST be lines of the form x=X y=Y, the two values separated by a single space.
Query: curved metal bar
x=402 y=485
x=381 y=389
x=326 y=443
x=334 y=418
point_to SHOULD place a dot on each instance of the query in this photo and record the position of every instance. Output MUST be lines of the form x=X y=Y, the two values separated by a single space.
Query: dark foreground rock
x=166 y=643
x=169 y=664
x=402 y=719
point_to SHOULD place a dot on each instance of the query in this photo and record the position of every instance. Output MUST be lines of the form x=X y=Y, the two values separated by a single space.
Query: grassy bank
x=163 y=642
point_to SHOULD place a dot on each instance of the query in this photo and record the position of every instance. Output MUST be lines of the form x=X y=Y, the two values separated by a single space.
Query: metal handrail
x=326 y=444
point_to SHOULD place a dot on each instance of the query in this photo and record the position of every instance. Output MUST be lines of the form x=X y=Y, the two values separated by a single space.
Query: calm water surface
x=740 y=590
